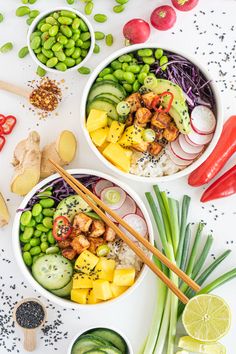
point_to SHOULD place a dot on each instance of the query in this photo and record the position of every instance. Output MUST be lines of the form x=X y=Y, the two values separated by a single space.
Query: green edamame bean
x=26 y=217
x=1 y=17
x=84 y=70
x=100 y=18
x=148 y=60
x=116 y=65
x=35 y=43
x=37 y=51
x=118 y=8
x=7 y=47
x=164 y=60
x=96 y=49
x=39 y=25
x=37 y=233
x=47 y=203
x=27 y=258
x=129 y=77
x=122 y=2
x=40 y=71
x=45 y=27
x=84 y=53
x=35 y=242
x=85 y=36
x=78 y=60
x=57 y=47
x=145 y=69
x=141 y=77
x=88 y=9
x=48 y=53
x=79 y=43
x=51 y=239
x=62 y=39
x=49 y=43
x=76 y=23
x=65 y=20
x=133 y=69
x=42 y=228
x=109 y=40
x=70 y=2
x=128 y=87
x=69 y=61
x=23 y=240
x=29 y=21
x=22 y=11
x=43 y=237
x=48 y=222
x=76 y=54
x=37 y=209
x=99 y=79
x=105 y=71
x=119 y=74
x=67 y=13
x=86 y=45
x=22 y=228
x=55 y=15
x=44 y=246
x=51 y=21
x=32 y=223
x=44 y=36
x=110 y=77
x=52 y=62
x=23 y=52
x=60 y=56
x=24 y=1
x=66 y=31
x=52 y=250
x=99 y=35
x=53 y=31
x=31 y=2
x=126 y=58
x=34 y=13
x=70 y=44
x=158 y=53
x=27 y=247
x=61 y=66
x=28 y=233
x=145 y=52
x=39 y=218
x=75 y=36
x=69 y=52
x=35 y=34
x=48 y=212
x=35 y=250
x=83 y=26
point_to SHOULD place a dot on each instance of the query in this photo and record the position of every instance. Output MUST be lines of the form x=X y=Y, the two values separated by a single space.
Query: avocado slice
x=166 y=85
x=179 y=112
x=71 y=206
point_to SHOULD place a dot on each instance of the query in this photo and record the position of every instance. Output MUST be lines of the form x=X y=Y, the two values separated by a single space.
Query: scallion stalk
x=186 y=247
x=218 y=282
x=161 y=340
x=183 y=225
x=201 y=260
x=174 y=224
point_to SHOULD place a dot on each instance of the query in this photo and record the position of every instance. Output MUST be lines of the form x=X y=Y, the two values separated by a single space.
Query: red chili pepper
x=2 y=119
x=8 y=125
x=159 y=99
x=2 y=142
x=224 y=149
x=222 y=187
x=61 y=228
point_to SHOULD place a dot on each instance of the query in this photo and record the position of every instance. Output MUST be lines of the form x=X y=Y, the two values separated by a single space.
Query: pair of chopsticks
x=91 y=199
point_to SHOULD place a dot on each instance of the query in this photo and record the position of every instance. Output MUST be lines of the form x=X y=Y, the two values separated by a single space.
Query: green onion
x=218 y=282
x=201 y=260
x=186 y=247
x=182 y=236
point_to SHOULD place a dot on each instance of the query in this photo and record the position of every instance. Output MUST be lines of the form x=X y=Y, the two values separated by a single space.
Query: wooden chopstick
x=76 y=185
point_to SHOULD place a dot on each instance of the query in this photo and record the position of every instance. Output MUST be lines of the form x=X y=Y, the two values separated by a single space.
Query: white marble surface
x=199 y=32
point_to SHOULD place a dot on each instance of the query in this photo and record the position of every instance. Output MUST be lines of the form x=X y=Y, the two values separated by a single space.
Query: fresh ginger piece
x=4 y=213
x=27 y=160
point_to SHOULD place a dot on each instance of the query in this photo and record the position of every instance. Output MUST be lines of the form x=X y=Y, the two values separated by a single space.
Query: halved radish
x=199 y=139
x=137 y=223
x=189 y=141
x=176 y=160
x=188 y=148
x=128 y=207
x=113 y=197
x=100 y=185
x=203 y=120
x=180 y=153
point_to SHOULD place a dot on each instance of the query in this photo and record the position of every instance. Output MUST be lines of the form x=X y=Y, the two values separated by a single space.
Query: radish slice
x=188 y=148
x=176 y=160
x=137 y=223
x=139 y=212
x=189 y=141
x=203 y=120
x=113 y=197
x=199 y=139
x=129 y=206
x=180 y=153
x=100 y=185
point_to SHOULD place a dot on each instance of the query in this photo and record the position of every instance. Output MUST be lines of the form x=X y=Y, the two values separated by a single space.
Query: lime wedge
x=182 y=352
x=193 y=345
x=207 y=318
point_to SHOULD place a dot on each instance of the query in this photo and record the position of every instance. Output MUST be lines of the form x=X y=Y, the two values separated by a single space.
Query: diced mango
x=102 y=289
x=105 y=268
x=97 y=119
x=82 y=281
x=115 y=131
x=124 y=277
x=118 y=290
x=99 y=136
x=131 y=136
x=86 y=262
x=79 y=295
x=116 y=155
x=128 y=153
x=91 y=298
x=103 y=147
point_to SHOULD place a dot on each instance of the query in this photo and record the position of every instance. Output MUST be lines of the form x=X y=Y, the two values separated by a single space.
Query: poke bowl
x=151 y=114
x=66 y=251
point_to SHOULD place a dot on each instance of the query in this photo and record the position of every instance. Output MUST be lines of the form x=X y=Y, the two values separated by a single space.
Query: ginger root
x=4 y=213
x=62 y=152
x=27 y=160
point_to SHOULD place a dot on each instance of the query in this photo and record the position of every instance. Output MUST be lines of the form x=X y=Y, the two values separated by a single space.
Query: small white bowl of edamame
x=61 y=40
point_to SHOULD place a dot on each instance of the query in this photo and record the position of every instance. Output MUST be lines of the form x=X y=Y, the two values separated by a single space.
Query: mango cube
x=79 y=295
x=86 y=262
x=115 y=131
x=131 y=136
x=124 y=277
x=105 y=268
x=118 y=290
x=82 y=281
x=128 y=153
x=102 y=289
x=103 y=146
x=91 y=298
x=116 y=155
x=97 y=119
x=99 y=136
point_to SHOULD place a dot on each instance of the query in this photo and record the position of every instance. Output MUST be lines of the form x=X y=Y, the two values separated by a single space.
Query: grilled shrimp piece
x=171 y=132
x=64 y=243
x=148 y=98
x=95 y=243
x=143 y=146
x=143 y=116
x=110 y=234
x=69 y=253
x=134 y=101
x=97 y=229
x=161 y=120
x=82 y=222
x=80 y=243
x=155 y=148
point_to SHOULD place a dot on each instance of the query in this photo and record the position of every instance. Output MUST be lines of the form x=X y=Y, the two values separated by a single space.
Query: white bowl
x=34 y=25
x=130 y=350
x=27 y=273
x=133 y=177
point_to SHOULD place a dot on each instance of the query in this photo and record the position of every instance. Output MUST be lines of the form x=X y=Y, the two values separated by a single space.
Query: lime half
x=207 y=318
x=193 y=345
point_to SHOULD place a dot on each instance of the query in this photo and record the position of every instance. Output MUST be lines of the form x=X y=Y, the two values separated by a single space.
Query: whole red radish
x=136 y=31
x=185 y=5
x=163 y=17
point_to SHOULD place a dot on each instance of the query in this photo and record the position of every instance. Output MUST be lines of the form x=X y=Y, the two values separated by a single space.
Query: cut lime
x=207 y=318
x=193 y=345
x=182 y=352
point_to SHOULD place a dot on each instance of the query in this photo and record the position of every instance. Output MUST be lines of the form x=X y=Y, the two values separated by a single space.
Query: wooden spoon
x=19 y=91
x=29 y=333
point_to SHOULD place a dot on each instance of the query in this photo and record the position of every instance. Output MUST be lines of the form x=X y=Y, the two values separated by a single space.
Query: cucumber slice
x=95 y=351
x=105 y=86
x=110 y=350
x=85 y=343
x=109 y=96
x=71 y=206
x=52 y=271
x=104 y=104
x=113 y=337
x=65 y=291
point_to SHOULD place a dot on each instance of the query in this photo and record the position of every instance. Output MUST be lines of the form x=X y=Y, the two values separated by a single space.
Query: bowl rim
x=40 y=17
x=83 y=330
x=152 y=180
x=23 y=268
